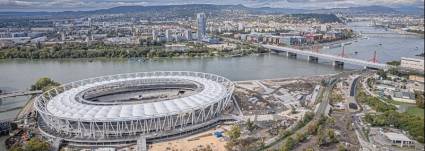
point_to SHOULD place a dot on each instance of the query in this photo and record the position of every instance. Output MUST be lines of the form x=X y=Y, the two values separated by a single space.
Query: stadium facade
x=124 y=107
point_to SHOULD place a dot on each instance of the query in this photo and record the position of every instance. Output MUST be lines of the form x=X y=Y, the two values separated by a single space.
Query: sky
x=72 y=5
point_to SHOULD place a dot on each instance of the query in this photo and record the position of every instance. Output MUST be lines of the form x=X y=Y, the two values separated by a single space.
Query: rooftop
x=396 y=136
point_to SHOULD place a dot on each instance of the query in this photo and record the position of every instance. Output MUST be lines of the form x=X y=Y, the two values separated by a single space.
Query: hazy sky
x=57 y=5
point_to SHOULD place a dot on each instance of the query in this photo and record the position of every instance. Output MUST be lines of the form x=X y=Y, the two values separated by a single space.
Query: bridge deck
x=19 y=93
x=329 y=57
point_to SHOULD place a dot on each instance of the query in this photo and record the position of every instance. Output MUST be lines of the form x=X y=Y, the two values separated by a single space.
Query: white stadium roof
x=65 y=105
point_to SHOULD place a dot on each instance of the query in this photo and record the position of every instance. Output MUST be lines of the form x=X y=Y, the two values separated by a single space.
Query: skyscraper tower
x=188 y=34
x=202 y=25
x=168 y=35
x=154 y=35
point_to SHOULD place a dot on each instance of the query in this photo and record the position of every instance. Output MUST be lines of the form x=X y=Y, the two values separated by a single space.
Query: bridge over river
x=336 y=60
x=19 y=93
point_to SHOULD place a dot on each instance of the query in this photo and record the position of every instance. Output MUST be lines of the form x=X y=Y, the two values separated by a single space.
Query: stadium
x=124 y=107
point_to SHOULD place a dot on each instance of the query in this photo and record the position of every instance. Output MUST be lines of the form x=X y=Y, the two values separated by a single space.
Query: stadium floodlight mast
x=65 y=113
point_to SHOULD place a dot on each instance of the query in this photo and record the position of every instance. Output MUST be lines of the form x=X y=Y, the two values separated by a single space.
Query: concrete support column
x=56 y=144
x=141 y=144
x=290 y=54
x=281 y=52
x=372 y=68
x=313 y=59
x=338 y=64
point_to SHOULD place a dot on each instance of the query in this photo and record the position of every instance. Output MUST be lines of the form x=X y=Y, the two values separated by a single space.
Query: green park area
x=416 y=111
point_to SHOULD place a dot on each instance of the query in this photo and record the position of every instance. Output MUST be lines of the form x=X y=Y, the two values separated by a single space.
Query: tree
x=36 y=144
x=308 y=116
x=33 y=144
x=289 y=144
x=330 y=121
x=394 y=63
x=419 y=99
x=44 y=84
x=327 y=137
x=341 y=147
x=299 y=137
x=16 y=148
x=382 y=74
x=332 y=137
x=405 y=121
x=312 y=128
x=309 y=149
x=250 y=125
x=234 y=133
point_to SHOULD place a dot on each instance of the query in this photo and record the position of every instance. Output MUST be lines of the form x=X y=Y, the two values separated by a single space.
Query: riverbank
x=137 y=59
x=93 y=53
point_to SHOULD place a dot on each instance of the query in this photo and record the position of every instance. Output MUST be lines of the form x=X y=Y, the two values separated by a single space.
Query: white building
x=188 y=34
x=398 y=139
x=412 y=63
x=241 y=26
x=154 y=35
x=176 y=47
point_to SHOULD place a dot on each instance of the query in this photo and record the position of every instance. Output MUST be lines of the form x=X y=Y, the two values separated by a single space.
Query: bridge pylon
x=316 y=48
x=374 y=58
x=342 y=54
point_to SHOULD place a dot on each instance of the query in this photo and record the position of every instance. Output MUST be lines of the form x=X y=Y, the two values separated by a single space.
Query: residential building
x=412 y=63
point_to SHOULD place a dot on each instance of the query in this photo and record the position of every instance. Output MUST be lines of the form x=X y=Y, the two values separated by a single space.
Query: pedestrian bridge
x=336 y=60
x=19 y=93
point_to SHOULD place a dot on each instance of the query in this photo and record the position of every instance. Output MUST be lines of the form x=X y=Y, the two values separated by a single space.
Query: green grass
x=397 y=102
x=412 y=109
x=415 y=111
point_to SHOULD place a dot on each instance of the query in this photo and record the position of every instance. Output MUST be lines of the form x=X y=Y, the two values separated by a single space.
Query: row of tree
x=390 y=117
x=94 y=53
x=326 y=136
x=413 y=124
x=33 y=144
x=147 y=52
x=374 y=102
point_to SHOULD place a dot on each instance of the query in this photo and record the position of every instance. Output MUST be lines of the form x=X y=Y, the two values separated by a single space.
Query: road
x=19 y=93
x=363 y=139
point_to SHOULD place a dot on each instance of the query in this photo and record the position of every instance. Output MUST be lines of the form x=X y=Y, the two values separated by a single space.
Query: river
x=19 y=74
x=388 y=47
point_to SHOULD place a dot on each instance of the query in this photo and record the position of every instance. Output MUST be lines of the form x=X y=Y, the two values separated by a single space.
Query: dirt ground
x=345 y=135
x=197 y=142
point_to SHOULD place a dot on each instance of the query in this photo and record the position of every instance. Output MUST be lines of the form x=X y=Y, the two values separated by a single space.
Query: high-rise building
x=154 y=35
x=188 y=34
x=63 y=36
x=168 y=35
x=89 y=23
x=241 y=26
x=202 y=25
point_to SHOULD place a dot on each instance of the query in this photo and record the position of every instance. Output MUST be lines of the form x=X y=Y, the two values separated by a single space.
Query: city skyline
x=234 y=75
x=69 y=5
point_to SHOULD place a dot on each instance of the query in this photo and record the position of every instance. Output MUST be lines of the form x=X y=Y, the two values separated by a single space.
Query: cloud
x=334 y=3
x=6 y=5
